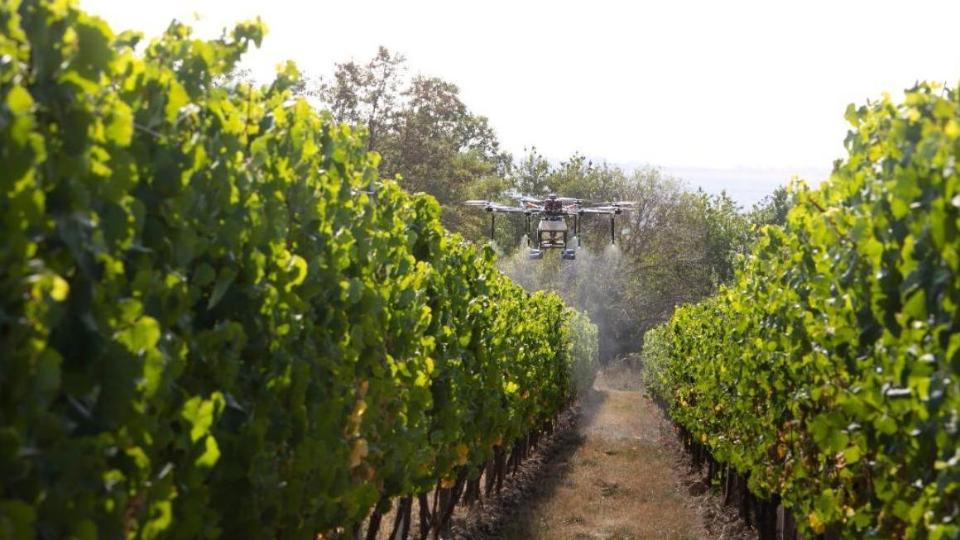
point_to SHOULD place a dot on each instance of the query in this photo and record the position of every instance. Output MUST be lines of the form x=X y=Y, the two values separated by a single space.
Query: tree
x=436 y=144
x=772 y=209
x=726 y=233
x=366 y=95
x=421 y=128
x=531 y=174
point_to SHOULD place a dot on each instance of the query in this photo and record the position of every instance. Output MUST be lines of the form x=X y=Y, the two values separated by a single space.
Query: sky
x=748 y=92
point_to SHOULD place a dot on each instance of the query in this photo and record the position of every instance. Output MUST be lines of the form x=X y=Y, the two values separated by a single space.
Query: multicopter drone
x=553 y=212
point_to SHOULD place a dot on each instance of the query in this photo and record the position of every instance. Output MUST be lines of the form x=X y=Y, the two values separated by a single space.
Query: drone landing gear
x=576 y=227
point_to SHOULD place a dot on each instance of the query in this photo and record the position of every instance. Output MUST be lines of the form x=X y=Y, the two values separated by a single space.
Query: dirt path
x=614 y=471
x=620 y=482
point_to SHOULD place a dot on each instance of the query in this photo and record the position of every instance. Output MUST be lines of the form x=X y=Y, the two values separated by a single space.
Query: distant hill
x=746 y=185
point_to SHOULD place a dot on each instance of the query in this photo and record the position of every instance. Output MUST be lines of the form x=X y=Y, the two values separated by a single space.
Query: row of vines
x=216 y=320
x=828 y=374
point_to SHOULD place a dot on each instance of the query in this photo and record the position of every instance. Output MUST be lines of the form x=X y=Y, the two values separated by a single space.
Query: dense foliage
x=215 y=319
x=829 y=371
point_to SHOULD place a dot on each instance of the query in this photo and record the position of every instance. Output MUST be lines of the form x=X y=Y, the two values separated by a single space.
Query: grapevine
x=216 y=319
x=828 y=373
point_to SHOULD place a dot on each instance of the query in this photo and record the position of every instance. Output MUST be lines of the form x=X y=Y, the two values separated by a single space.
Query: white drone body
x=552 y=234
x=553 y=211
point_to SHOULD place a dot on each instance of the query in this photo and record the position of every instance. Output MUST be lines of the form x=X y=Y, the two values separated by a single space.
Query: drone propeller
x=491 y=206
x=503 y=208
x=593 y=202
x=528 y=199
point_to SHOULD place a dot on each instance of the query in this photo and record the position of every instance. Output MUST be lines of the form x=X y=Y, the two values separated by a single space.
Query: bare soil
x=613 y=470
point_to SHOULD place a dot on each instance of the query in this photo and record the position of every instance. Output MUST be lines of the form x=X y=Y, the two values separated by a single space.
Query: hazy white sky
x=760 y=84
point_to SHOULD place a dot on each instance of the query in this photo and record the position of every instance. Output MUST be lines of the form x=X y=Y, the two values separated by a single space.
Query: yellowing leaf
x=142 y=335
x=19 y=100
x=298 y=266
x=815 y=523
x=60 y=289
x=462 y=453
x=176 y=98
x=201 y=413
x=952 y=129
x=358 y=452
x=119 y=128
x=210 y=454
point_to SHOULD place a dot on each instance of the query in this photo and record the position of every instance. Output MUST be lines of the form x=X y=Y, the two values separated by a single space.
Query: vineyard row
x=827 y=375
x=216 y=320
